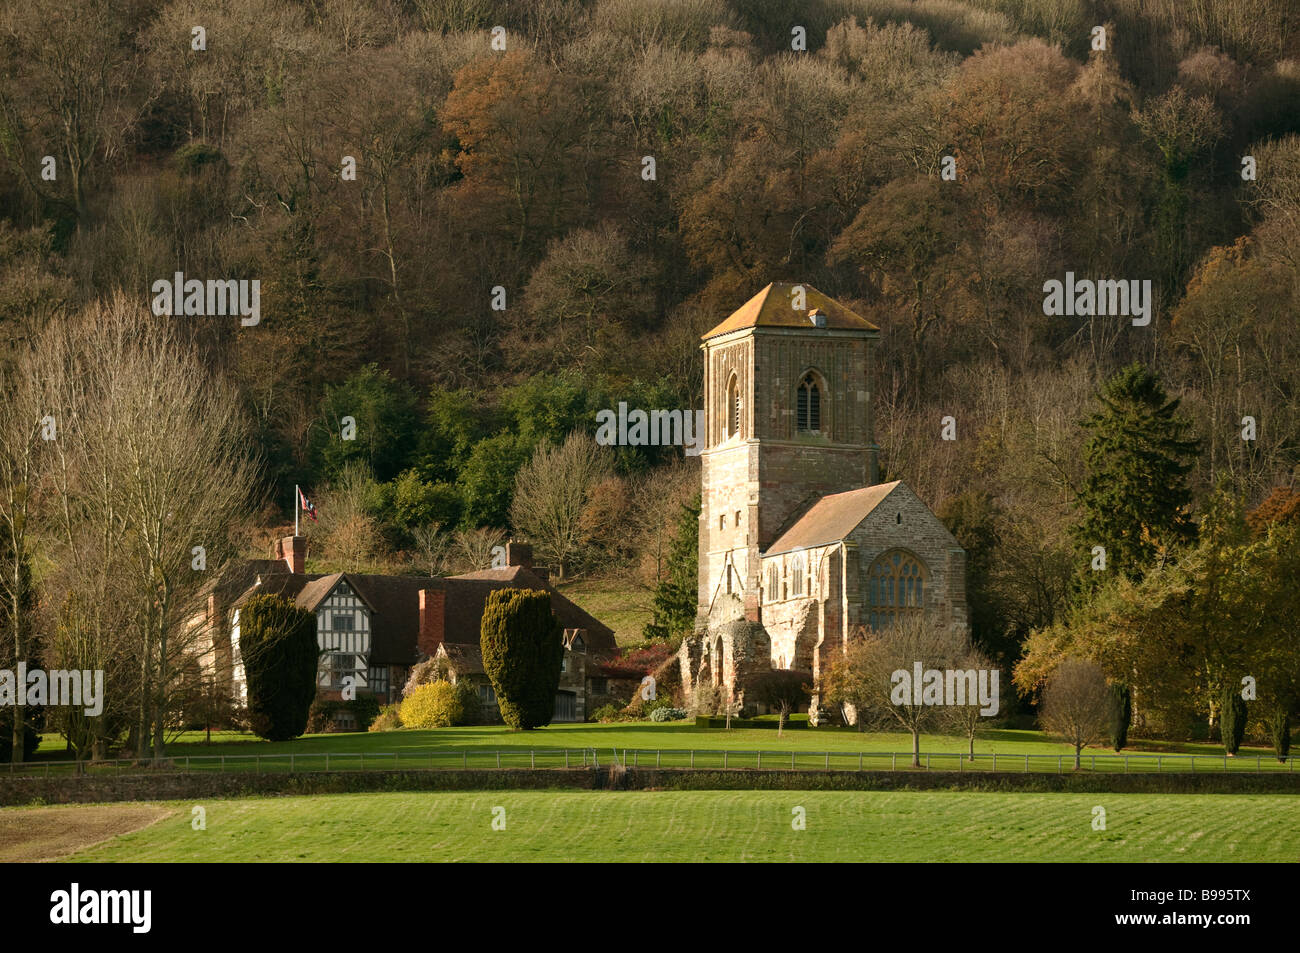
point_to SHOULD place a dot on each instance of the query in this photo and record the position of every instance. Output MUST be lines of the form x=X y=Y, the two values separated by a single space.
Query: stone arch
x=716 y=660
x=897 y=582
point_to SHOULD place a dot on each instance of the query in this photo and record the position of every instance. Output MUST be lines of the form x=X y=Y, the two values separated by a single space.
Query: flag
x=307 y=506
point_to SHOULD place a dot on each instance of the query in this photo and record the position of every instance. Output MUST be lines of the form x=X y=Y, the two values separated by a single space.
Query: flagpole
x=295 y=509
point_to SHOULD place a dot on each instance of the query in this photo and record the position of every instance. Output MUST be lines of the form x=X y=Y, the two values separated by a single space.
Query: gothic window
x=733 y=406
x=896 y=587
x=772 y=592
x=796 y=578
x=808 y=405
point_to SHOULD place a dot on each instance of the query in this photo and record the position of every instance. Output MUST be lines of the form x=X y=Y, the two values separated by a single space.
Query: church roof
x=832 y=518
x=770 y=308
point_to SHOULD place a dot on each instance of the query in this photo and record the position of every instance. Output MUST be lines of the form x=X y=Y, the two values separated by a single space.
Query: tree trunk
x=916 y=748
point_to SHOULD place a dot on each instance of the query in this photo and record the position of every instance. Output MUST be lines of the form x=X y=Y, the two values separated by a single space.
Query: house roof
x=770 y=308
x=394 y=604
x=832 y=518
x=464 y=659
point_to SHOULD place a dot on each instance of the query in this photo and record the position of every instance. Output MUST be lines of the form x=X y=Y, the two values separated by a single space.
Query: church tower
x=788 y=420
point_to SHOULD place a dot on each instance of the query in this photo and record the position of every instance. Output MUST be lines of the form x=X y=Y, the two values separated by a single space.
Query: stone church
x=801 y=548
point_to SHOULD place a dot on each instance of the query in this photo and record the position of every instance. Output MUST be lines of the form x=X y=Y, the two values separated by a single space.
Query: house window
x=772 y=592
x=796 y=574
x=379 y=679
x=599 y=686
x=733 y=406
x=335 y=667
x=808 y=410
x=578 y=644
x=896 y=587
x=722 y=521
x=564 y=665
x=486 y=694
x=344 y=621
x=737 y=518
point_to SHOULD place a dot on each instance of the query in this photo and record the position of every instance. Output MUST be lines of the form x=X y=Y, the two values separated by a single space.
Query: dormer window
x=808 y=412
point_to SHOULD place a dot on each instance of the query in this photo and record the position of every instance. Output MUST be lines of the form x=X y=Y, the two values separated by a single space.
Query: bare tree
x=474 y=547
x=551 y=491
x=1076 y=704
x=153 y=467
x=968 y=717
x=433 y=547
x=868 y=678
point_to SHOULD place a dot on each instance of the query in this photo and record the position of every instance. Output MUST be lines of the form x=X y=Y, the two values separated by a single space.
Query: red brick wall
x=433 y=604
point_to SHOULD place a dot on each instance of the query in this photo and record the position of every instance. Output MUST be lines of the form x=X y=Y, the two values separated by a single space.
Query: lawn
x=749 y=826
x=667 y=745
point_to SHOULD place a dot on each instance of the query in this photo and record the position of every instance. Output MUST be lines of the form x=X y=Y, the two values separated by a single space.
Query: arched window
x=773 y=593
x=796 y=577
x=733 y=406
x=808 y=405
x=896 y=587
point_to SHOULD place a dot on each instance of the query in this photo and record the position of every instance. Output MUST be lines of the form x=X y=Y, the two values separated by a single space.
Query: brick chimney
x=519 y=554
x=293 y=550
x=433 y=616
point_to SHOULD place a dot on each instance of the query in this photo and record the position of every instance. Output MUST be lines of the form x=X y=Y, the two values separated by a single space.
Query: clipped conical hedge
x=522 y=651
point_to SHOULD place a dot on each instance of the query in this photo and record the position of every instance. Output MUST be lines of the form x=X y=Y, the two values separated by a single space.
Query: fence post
x=1060 y=763
x=927 y=761
x=692 y=758
x=327 y=760
x=859 y=760
x=1026 y=764
x=223 y=762
x=1258 y=767
x=636 y=757
x=893 y=761
x=828 y=761
x=291 y=762
x=498 y=759
x=1160 y=760
x=791 y=760
x=658 y=753
x=363 y=761
x=566 y=757
x=724 y=759
x=760 y=760
x=995 y=761
x=532 y=758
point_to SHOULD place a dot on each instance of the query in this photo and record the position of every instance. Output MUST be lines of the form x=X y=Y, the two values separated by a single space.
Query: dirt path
x=49 y=833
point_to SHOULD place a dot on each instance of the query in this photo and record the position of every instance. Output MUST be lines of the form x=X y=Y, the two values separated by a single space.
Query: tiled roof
x=770 y=308
x=832 y=518
x=464 y=659
x=394 y=603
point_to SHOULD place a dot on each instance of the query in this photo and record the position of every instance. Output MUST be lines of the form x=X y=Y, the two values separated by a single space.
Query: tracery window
x=896 y=587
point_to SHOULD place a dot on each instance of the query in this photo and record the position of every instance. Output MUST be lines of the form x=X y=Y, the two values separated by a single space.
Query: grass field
x=750 y=826
x=667 y=745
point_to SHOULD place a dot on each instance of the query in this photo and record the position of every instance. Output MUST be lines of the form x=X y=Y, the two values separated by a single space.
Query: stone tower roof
x=770 y=308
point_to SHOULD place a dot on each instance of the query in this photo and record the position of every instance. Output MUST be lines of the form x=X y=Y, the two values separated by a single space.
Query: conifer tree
x=1134 y=497
x=675 y=598
x=522 y=649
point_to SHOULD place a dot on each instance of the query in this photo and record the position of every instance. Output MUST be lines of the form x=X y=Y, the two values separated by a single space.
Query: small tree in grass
x=277 y=640
x=783 y=690
x=874 y=675
x=1232 y=720
x=522 y=651
x=1121 y=715
x=1077 y=704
